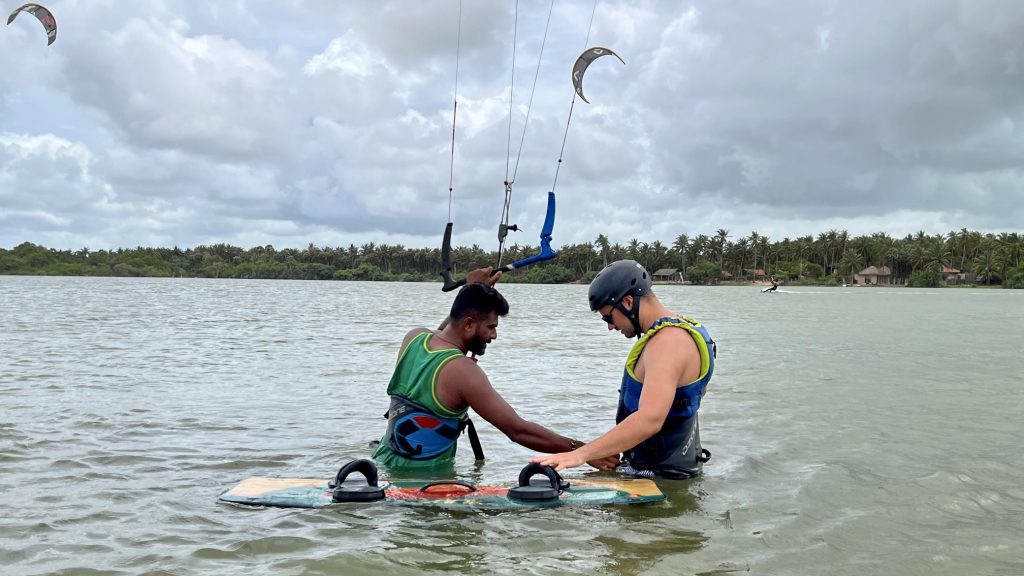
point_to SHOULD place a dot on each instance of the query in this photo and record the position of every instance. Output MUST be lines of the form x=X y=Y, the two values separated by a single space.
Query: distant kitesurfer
x=435 y=384
x=774 y=286
x=666 y=375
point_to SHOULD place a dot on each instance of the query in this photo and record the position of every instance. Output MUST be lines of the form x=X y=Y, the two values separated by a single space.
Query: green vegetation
x=831 y=258
x=704 y=273
x=1015 y=278
x=925 y=279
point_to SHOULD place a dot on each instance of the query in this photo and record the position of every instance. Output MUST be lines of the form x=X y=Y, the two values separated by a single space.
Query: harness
x=416 y=433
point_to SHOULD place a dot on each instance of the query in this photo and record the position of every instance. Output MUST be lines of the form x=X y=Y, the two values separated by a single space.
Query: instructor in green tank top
x=435 y=384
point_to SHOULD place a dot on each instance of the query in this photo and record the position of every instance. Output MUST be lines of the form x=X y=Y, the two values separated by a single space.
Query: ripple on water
x=152 y=561
x=264 y=462
x=25 y=554
x=148 y=541
x=210 y=427
x=17 y=454
x=189 y=520
x=84 y=571
x=121 y=460
x=335 y=561
x=92 y=517
x=259 y=546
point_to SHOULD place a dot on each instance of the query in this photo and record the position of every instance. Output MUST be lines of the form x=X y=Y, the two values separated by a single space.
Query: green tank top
x=415 y=379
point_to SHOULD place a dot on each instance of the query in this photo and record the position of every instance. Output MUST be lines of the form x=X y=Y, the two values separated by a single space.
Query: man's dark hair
x=478 y=300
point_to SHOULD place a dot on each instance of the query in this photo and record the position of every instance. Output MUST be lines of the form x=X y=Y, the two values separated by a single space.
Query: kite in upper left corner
x=45 y=17
x=588 y=56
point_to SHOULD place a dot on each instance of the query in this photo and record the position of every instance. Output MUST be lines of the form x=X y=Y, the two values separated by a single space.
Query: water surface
x=854 y=431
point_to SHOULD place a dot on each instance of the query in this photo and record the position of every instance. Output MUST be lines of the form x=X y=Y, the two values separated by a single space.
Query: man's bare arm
x=471 y=385
x=664 y=367
x=408 y=338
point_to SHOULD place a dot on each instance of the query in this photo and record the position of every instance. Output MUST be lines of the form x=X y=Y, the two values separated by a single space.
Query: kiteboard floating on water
x=549 y=489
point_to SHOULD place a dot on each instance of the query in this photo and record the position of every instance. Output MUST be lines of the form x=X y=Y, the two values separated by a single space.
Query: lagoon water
x=854 y=431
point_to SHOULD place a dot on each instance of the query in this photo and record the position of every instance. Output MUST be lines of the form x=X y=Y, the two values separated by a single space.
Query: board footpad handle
x=538 y=492
x=365 y=467
x=356 y=491
x=534 y=469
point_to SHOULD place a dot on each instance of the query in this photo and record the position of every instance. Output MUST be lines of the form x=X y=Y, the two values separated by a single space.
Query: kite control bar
x=546 y=252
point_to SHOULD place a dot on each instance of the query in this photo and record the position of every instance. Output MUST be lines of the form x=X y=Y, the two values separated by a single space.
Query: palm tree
x=680 y=246
x=764 y=248
x=588 y=254
x=368 y=253
x=618 y=251
x=899 y=259
x=658 y=254
x=986 y=263
x=634 y=249
x=937 y=253
x=755 y=244
x=828 y=243
x=602 y=242
x=700 y=246
x=852 y=262
x=1007 y=243
x=721 y=235
x=387 y=253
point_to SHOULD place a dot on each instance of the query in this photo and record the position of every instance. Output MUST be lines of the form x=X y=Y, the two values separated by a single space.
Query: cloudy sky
x=166 y=122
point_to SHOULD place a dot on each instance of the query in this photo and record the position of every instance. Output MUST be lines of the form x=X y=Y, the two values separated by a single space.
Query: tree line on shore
x=831 y=257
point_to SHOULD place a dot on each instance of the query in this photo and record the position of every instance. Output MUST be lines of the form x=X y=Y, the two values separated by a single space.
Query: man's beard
x=477 y=346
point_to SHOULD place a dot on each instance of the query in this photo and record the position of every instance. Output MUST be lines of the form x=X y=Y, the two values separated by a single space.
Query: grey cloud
x=308 y=121
x=899 y=90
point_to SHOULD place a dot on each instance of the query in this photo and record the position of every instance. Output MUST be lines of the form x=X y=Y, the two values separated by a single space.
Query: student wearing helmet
x=435 y=384
x=666 y=375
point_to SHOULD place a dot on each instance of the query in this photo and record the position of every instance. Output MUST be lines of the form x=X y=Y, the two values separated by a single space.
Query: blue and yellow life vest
x=675 y=451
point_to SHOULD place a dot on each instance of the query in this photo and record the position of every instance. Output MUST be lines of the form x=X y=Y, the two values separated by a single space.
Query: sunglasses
x=608 y=317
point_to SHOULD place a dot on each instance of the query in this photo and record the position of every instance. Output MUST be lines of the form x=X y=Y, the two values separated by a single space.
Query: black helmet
x=617 y=280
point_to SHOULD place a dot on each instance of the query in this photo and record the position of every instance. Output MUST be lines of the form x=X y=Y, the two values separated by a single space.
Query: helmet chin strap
x=633 y=313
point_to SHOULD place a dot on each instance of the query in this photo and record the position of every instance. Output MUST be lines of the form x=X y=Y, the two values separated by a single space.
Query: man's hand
x=560 y=461
x=607 y=463
x=574 y=459
x=483 y=276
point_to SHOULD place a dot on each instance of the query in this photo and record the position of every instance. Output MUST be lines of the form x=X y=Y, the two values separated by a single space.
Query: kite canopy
x=45 y=17
x=588 y=56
